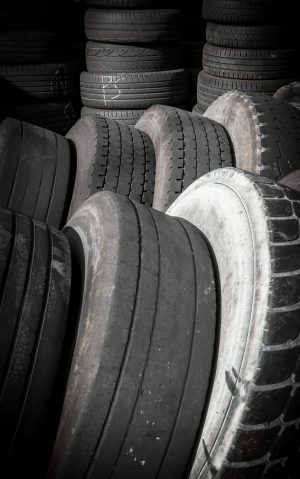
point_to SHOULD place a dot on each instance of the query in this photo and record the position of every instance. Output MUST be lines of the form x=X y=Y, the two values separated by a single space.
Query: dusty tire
x=265 y=132
x=36 y=172
x=129 y=117
x=289 y=93
x=134 y=26
x=252 y=225
x=144 y=273
x=35 y=337
x=111 y=156
x=133 y=90
x=108 y=58
x=186 y=147
x=242 y=11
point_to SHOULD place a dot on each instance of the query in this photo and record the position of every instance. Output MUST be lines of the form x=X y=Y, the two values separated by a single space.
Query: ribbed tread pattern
x=133 y=90
x=242 y=11
x=129 y=117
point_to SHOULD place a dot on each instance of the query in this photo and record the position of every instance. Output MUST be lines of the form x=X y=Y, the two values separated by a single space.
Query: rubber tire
x=133 y=90
x=145 y=272
x=127 y=4
x=112 y=157
x=35 y=341
x=244 y=64
x=252 y=225
x=56 y=81
x=289 y=93
x=186 y=147
x=134 y=26
x=36 y=172
x=107 y=58
x=249 y=36
x=265 y=132
x=198 y=110
x=241 y=12
x=58 y=117
x=292 y=180
x=129 y=117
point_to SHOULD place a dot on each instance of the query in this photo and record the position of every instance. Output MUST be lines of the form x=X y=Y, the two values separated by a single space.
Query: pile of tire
x=132 y=57
x=250 y=47
x=38 y=74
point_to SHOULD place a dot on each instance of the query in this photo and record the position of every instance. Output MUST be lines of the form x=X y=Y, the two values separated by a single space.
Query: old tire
x=289 y=93
x=129 y=117
x=242 y=11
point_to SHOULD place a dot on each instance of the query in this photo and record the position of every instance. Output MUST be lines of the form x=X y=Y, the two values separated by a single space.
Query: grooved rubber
x=154 y=271
x=56 y=81
x=265 y=132
x=123 y=3
x=133 y=90
x=249 y=36
x=263 y=388
x=243 y=11
x=134 y=26
x=187 y=146
x=130 y=117
x=246 y=64
x=35 y=281
x=36 y=174
x=107 y=58
x=111 y=156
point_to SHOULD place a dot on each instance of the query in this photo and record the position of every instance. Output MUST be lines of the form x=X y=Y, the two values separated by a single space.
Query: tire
x=129 y=117
x=210 y=88
x=292 y=180
x=123 y=3
x=36 y=172
x=191 y=53
x=153 y=272
x=249 y=36
x=107 y=58
x=38 y=82
x=186 y=147
x=133 y=90
x=58 y=117
x=289 y=93
x=112 y=157
x=252 y=225
x=246 y=64
x=134 y=26
x=265 y=132
x=198 y=109
x=242 y=11
x=35 y=341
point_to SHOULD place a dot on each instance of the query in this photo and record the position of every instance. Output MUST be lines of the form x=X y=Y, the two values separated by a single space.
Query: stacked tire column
x=38 y=73
x=132 y=58
x=249 y=48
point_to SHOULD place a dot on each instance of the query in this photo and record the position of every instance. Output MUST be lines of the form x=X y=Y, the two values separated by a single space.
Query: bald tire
x=186 y=147
x=145 y=272
x=265 y=132
x=35 y=341
x=36 y=172
x=111 y=156
x=252 y=225
x=129 y=117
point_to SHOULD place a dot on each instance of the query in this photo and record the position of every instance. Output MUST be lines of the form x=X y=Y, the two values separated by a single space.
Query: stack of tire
x=250 y=47
x=133 y=58
x=38 y=74
x=192 y=49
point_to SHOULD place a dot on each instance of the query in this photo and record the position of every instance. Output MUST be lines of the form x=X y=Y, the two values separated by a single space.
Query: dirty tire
x=58 y=117
x=289 y=93
x=111 y=156
x=144 y=273
x=130 y=117
x=49 y=81
x=249 y=36
x=186 y=147
x=256 y=386
x=198 y=109
x=265 y=132
x=242 y=11
x=133 y=90
x=35 y=278
x=107 y=58
x=36 y=172
x=134 y=26
x=245 y=64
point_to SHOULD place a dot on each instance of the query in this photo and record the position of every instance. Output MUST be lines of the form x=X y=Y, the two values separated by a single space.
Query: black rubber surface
x=244 y=11
x=142 y=412
x=35 y=277
x=36 y=172
x=130 y=117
